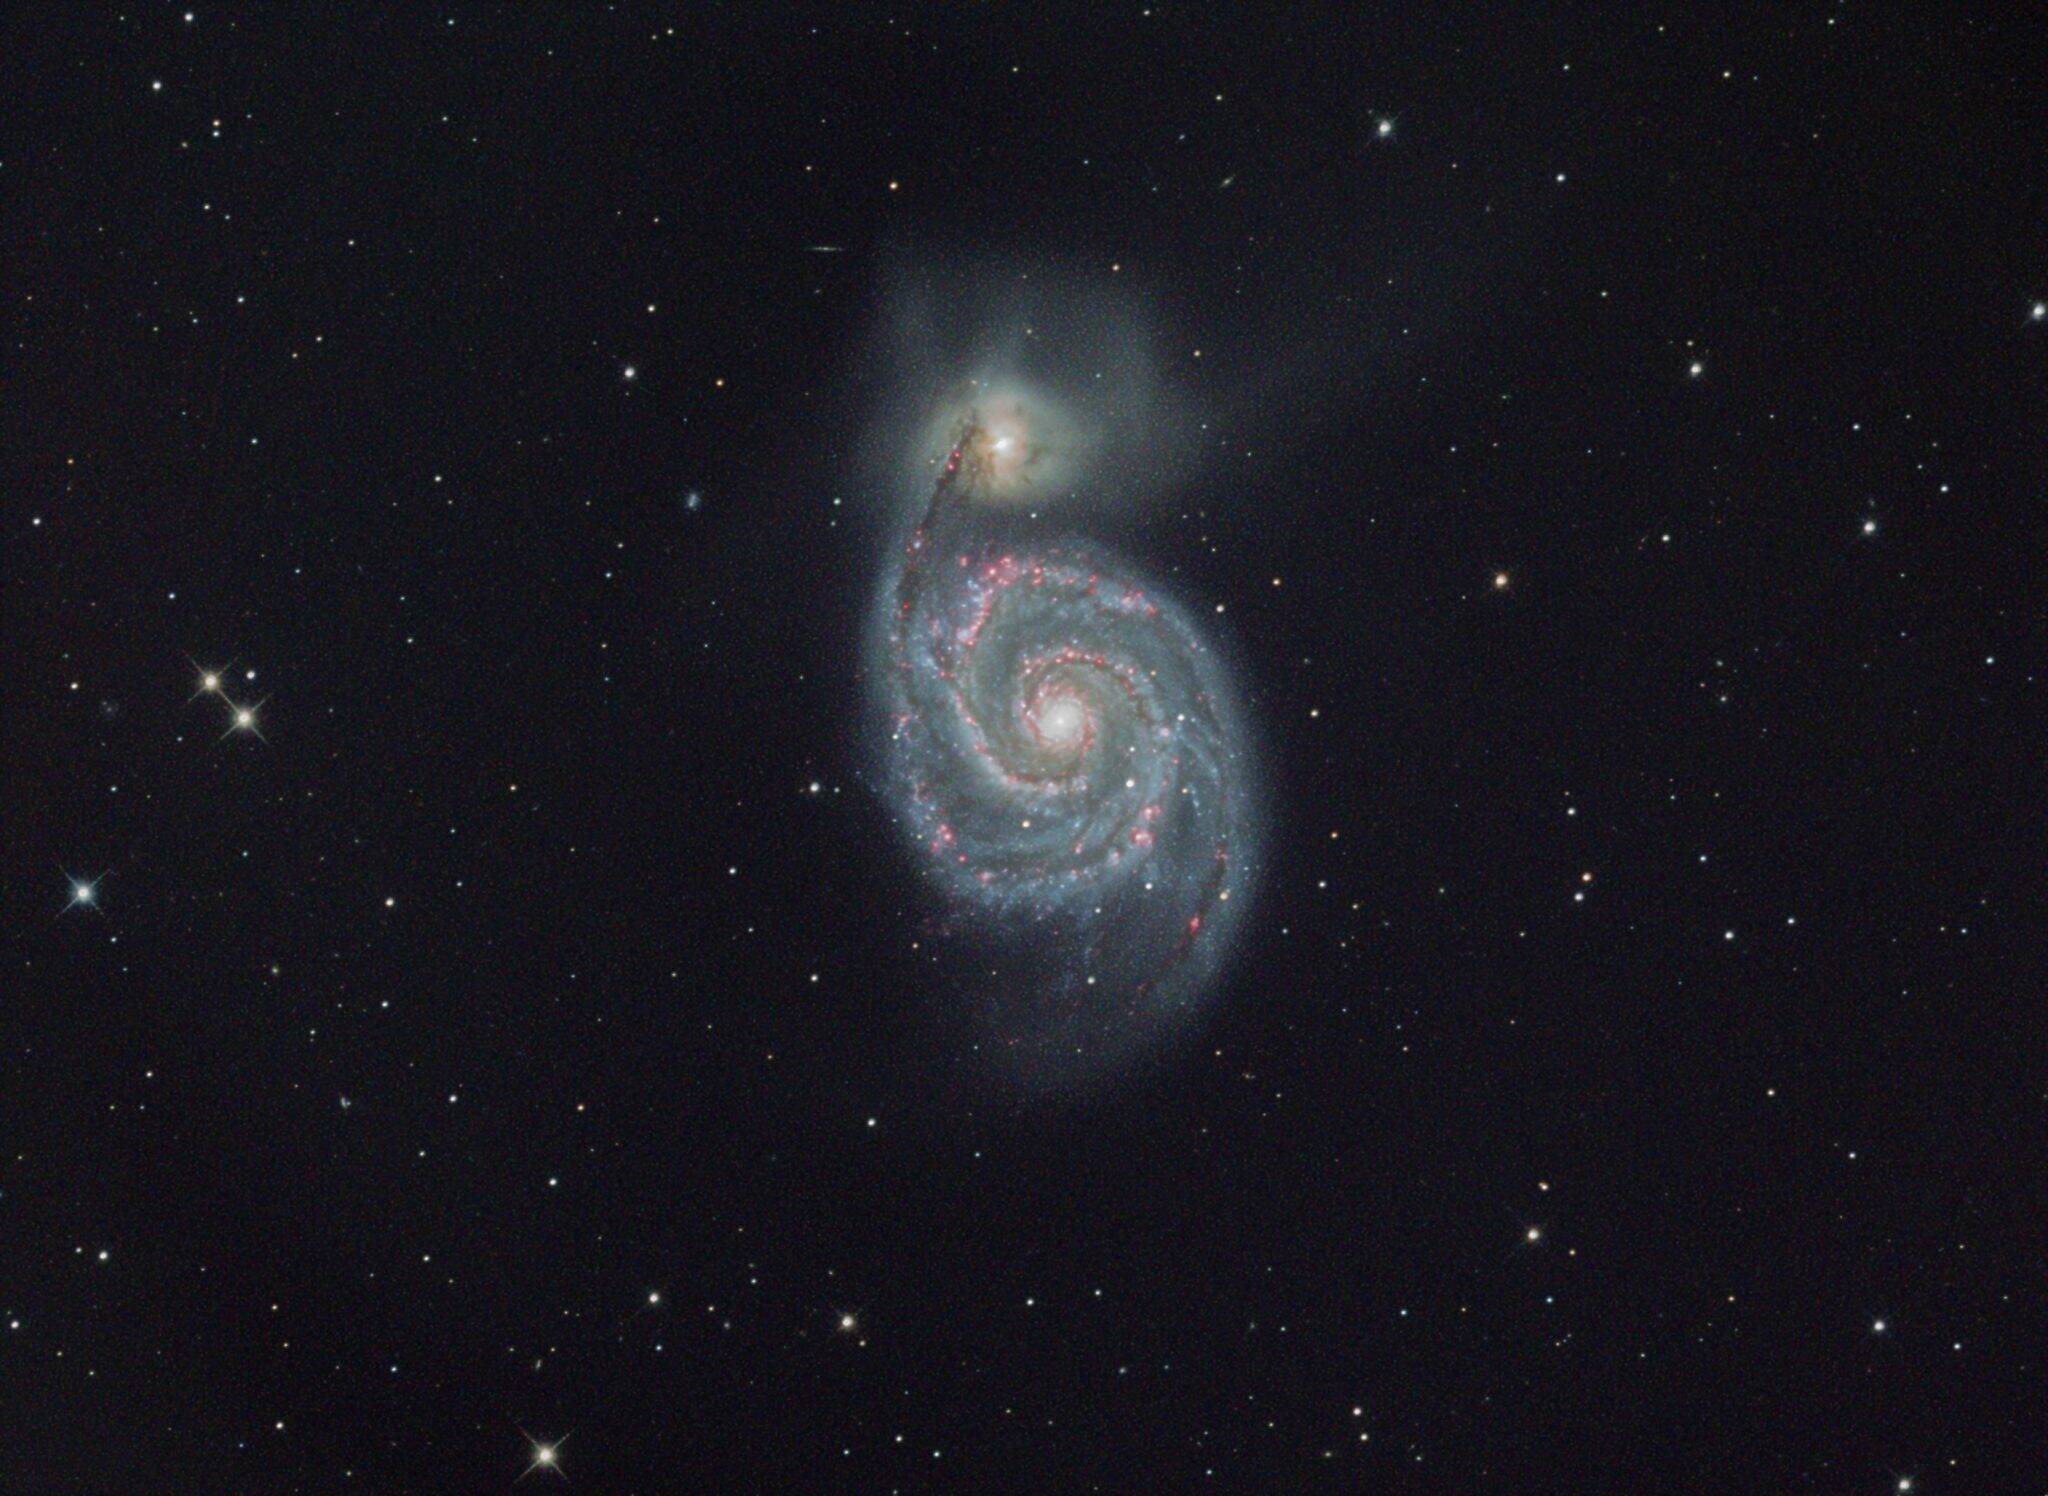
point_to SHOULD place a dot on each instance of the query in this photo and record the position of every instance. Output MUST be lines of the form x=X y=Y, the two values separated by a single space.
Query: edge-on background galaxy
x=1066 y=753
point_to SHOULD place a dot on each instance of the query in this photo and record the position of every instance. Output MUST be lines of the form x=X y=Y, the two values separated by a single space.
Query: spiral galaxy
x=1066 y=756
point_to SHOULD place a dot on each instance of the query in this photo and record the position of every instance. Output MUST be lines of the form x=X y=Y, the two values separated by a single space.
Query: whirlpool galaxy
x=1066 y=753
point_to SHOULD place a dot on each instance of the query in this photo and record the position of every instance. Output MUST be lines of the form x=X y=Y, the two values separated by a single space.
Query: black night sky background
x=1607 y=444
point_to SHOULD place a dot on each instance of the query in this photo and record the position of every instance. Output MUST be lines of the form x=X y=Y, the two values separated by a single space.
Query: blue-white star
x=85 y=893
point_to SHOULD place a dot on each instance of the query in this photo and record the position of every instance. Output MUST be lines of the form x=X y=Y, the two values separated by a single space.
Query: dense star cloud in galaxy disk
x=1132 y=747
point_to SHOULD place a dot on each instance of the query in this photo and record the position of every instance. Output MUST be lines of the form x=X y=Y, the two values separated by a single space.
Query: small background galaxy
x=1571 y=477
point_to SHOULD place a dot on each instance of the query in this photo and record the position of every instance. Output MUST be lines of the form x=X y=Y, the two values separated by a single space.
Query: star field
x=512 y=973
